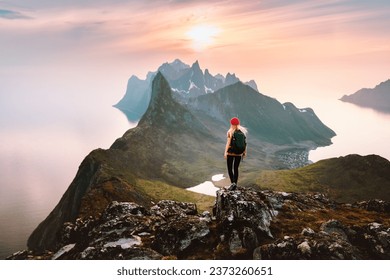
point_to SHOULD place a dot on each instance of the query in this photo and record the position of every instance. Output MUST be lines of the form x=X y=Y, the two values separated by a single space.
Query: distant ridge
x=266 y=117
x=377 y=98
x=186 y=82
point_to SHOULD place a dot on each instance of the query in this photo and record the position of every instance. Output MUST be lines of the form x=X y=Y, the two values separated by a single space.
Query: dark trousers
x=233 y=162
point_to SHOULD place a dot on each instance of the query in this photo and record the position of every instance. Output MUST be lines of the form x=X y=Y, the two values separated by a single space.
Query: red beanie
x=234 y=121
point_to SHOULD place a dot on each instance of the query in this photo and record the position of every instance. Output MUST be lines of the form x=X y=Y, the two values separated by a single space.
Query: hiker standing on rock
x=235 y=149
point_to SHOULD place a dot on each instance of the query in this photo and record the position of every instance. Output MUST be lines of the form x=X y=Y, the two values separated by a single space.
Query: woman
x=233 y=159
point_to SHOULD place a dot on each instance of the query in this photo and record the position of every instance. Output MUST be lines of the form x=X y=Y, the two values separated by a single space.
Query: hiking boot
x=233 y=187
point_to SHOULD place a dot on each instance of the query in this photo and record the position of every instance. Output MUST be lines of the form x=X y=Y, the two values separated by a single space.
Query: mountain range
x=377 y=98
x=178 y=144
x=185 y=81
x=213 y=100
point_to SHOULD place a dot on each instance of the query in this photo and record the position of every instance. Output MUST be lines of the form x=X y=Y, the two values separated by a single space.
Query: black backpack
x=238 y=143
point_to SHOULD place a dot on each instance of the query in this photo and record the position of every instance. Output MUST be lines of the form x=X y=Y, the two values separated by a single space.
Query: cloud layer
x=8 y=14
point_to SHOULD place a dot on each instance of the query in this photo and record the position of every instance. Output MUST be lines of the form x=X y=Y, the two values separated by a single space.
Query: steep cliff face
x=246 y=224
x=45 y=235
x=143 y=88
x=93 y=188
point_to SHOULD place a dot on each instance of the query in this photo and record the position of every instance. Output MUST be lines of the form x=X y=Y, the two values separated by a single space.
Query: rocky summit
x=244 y=224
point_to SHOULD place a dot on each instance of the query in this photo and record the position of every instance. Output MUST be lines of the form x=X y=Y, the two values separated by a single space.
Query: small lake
x=209 y=187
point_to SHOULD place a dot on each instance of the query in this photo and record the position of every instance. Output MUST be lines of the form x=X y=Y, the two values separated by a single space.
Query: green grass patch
x=290 y=181
x=345 y=179
x=161 y=191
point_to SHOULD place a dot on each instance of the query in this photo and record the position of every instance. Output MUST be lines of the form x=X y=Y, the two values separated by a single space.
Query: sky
x=292 y=49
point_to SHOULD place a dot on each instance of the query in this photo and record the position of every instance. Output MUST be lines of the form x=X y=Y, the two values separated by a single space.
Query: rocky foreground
x=246 y=224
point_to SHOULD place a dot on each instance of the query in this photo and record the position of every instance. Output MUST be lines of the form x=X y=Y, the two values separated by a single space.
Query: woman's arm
x=227 y=145
x=244 y=153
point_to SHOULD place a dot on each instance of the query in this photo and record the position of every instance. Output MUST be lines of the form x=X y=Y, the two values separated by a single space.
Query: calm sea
x=40 y=156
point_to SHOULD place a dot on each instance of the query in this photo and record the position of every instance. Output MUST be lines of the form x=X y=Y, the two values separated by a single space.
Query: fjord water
x=39 y=161
x=47 y=127
x=362 y=131
x=38 y=164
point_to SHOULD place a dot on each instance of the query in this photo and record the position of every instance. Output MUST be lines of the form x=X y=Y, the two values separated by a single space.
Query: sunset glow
x=327 y=46
x=202 y=36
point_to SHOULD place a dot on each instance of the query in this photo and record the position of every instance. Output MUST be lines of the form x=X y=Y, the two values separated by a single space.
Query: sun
x=202 y=36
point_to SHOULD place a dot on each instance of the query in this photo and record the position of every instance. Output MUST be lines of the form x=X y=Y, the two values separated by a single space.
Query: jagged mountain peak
x=196 y=67
x=161 y=102
x=173 y=70
x=196 y=70
x=186 y=82
x=179 y=65
x=134 y=77
x=253 y=85
x=165 y=112
x=160 y=86
x=231 y=79
x=196 y=64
